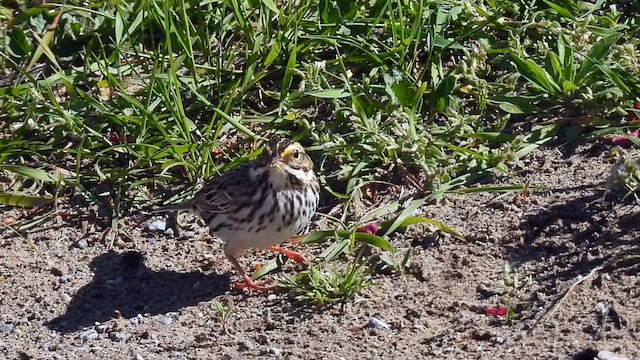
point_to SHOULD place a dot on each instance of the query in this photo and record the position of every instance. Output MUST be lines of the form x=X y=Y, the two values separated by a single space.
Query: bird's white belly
x=280 y=221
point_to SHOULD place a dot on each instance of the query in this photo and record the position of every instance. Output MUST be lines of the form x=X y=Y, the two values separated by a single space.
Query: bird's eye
x=296 y=154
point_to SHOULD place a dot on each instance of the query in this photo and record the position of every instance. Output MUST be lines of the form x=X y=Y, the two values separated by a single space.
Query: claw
x=250 y=284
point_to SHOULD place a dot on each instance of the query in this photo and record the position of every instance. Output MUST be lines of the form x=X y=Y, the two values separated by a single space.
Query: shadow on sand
x=122 y=282
x=575 y=236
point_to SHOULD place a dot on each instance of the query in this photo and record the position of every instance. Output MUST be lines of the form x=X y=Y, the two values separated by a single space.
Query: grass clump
x=320 y=286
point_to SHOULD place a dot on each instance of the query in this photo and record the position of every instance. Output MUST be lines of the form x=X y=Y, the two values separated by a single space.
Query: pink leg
x=293 y=255
x=248 y=283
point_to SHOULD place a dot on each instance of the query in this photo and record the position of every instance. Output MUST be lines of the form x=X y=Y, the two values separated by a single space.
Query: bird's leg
x=293 y=255
x=248 y=283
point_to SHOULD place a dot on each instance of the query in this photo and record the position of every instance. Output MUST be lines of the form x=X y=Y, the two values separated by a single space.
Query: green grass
x=121 y=100
x=324 y=286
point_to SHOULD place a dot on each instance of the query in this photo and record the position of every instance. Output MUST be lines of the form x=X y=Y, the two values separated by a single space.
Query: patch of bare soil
x=573 y=288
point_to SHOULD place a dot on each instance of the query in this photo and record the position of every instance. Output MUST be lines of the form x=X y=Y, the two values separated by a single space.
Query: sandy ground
x=573 y=288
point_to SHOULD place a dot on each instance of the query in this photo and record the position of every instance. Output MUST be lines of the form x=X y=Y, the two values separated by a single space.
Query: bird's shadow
x=122 y=282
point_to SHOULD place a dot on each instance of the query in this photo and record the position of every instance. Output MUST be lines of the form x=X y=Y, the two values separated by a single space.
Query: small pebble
x=89 y=334
x=102 y=328
x=57 y=272
x=601 y=309
x=188 y=234
x=65 y=297
x=158 y=225
x=607 y=355
x=64 y=278
x=500 y=340
x=378 y=324
x=244 y=345
x=6 y=328
x=117 y=336
x=164 y=320
x=169 y=232
x=47 y=346
x=138 y=357
x=274 y=351
x=81 y=244
x=176 y=354
x=272 y=297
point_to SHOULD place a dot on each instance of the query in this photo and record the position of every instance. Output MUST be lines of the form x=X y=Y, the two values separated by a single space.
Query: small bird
x=259 y=204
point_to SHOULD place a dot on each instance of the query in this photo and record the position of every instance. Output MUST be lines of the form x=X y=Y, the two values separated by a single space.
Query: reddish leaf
x=370 y=228
x=631 y=115
x=497 y=311
x=623 y=141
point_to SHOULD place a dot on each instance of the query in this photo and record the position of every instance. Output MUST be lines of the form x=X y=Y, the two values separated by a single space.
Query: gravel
x=81 y=244
x=87 y=335
x=377 y=324
x=6 y=328
x=158 y=225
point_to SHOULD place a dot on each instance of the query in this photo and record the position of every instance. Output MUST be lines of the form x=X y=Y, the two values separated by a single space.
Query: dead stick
x=564 y=296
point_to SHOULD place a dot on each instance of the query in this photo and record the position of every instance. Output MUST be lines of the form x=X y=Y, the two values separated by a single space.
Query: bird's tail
x=187 y=205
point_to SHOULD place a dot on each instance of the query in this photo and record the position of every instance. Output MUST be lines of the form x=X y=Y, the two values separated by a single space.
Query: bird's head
x=288 y=159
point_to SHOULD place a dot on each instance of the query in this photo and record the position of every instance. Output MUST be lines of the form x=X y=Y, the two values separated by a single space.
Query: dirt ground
x=65 y=295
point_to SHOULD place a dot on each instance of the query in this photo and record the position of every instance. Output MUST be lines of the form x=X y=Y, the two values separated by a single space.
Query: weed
x=322 y=286
x=223 y=312
x=394 y=263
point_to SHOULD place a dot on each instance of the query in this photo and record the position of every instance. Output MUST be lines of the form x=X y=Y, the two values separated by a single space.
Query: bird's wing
x=223 y=194
x=213 y=200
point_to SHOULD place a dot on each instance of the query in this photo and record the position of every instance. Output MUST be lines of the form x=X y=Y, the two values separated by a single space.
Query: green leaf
x=373 y=240
x=444 y=43
x=234 y=121
x=272 y=265
x=18 y=42
x=601 y=31
x=380 y=212
x=513 y=104
x=440 y=97
x=565 y=53
x=13 y=199
x=270 y=5
x=535 y=139
x=288 y=73
x=318 y=236
x=596 y=53
x=335 y=249
x=615 y=78
x=554 y=68
x=491 y=136
x=560 y=10
x=413 y=220
x=537 y=75
x=274 y=51
x=505 y=188
x=119 y=27
x=411 y=207
x=35 y=174
x=330 y=94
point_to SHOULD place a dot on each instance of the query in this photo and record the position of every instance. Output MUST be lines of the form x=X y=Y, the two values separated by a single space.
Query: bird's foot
x=250 y=284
